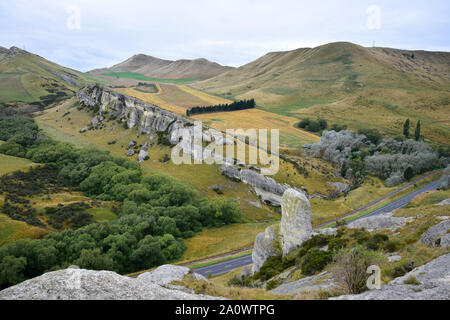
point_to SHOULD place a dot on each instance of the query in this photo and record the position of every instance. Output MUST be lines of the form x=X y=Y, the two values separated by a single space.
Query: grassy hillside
x=26 y=78
x=11 y=230
x=348 y=84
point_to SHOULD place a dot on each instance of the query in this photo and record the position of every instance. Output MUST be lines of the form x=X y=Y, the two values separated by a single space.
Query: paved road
x=226 y=266
x=400 y=203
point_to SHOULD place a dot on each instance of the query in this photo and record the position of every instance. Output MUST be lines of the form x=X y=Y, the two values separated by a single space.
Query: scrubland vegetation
x=394 y=160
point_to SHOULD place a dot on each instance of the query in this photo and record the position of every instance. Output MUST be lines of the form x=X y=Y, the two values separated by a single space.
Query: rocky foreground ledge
x=79 y=284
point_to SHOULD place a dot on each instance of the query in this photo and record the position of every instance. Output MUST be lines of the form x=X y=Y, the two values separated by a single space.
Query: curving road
x=227 y=266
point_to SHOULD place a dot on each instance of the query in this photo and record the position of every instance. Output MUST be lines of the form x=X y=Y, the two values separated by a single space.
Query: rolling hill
x=141 y=66
x=32 y=82
x=378 y=87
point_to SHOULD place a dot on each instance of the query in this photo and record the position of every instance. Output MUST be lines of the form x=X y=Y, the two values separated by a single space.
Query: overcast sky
x=87 y=34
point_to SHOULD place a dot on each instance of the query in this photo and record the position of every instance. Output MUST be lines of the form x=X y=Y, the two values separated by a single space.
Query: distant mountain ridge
x=168 y=69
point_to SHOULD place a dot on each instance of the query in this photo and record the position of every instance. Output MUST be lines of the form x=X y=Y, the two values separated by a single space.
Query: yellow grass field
x=175 y=98
x=210 y=99
x=11 y=230
x=216 y=241
x=260 y=119
x=9 y=164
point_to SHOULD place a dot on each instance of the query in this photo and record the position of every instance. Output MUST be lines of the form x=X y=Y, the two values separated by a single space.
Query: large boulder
x=79 y=284
x=143 y=155
x=265 y=246
x=266 y=188
x=322 y=281
x=445 y=202
x=433 y=283
x=295 y=225
x=166 y=274
x=294 y=229
x=340 y=187
x=437 y=235
x=384 y=221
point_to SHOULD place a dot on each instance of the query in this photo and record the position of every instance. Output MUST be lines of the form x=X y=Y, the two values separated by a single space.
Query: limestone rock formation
x=322 y=281
x=379 y=222
x=340 y=187
x=143 y=155
x=166 y=274
x=131 y=144
x=146 y=117
x=294 y=229
x=265 y=187
x=79 y=284
x=295 y=225
x=434 y=279
x=265 y=246
x=437 y=235
x=130 y=153
x=445 y=202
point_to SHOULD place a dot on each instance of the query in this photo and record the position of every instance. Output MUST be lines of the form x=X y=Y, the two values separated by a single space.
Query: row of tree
x=417 y=133
x=237 y=105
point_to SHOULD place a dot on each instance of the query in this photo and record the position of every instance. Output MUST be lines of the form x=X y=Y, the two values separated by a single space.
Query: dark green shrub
x=401 y=269
x=392 y=245
x=270 y=268
x=376 y=241
x=337 y=244
x=361 y=235
x=314 y=261
x=272 y=284
x=373 y=135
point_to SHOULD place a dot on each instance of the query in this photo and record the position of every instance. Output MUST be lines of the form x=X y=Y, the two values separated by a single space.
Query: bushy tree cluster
x=312 y=125
x=237 y=105
x=157 y=213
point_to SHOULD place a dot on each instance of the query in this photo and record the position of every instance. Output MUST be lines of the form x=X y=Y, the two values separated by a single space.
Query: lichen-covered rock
x=379 y=222
x=393 y=256
x=433 y=236
x=78 y=284
x=97 y=119
x=433 y=279
x=322 y=281
x=166 y=274
x=265 y=246
x=326 y=231
x=294 y=229
x=131 y=144
x=445 y=202
x=143 y=155
x=146 y=117
x=445 y=241
x=265 y=187
x=340 y=187
x=295 y=225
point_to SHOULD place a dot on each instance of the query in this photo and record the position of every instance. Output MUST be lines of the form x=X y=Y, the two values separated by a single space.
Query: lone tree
x=417 y=132
x=406 y=129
